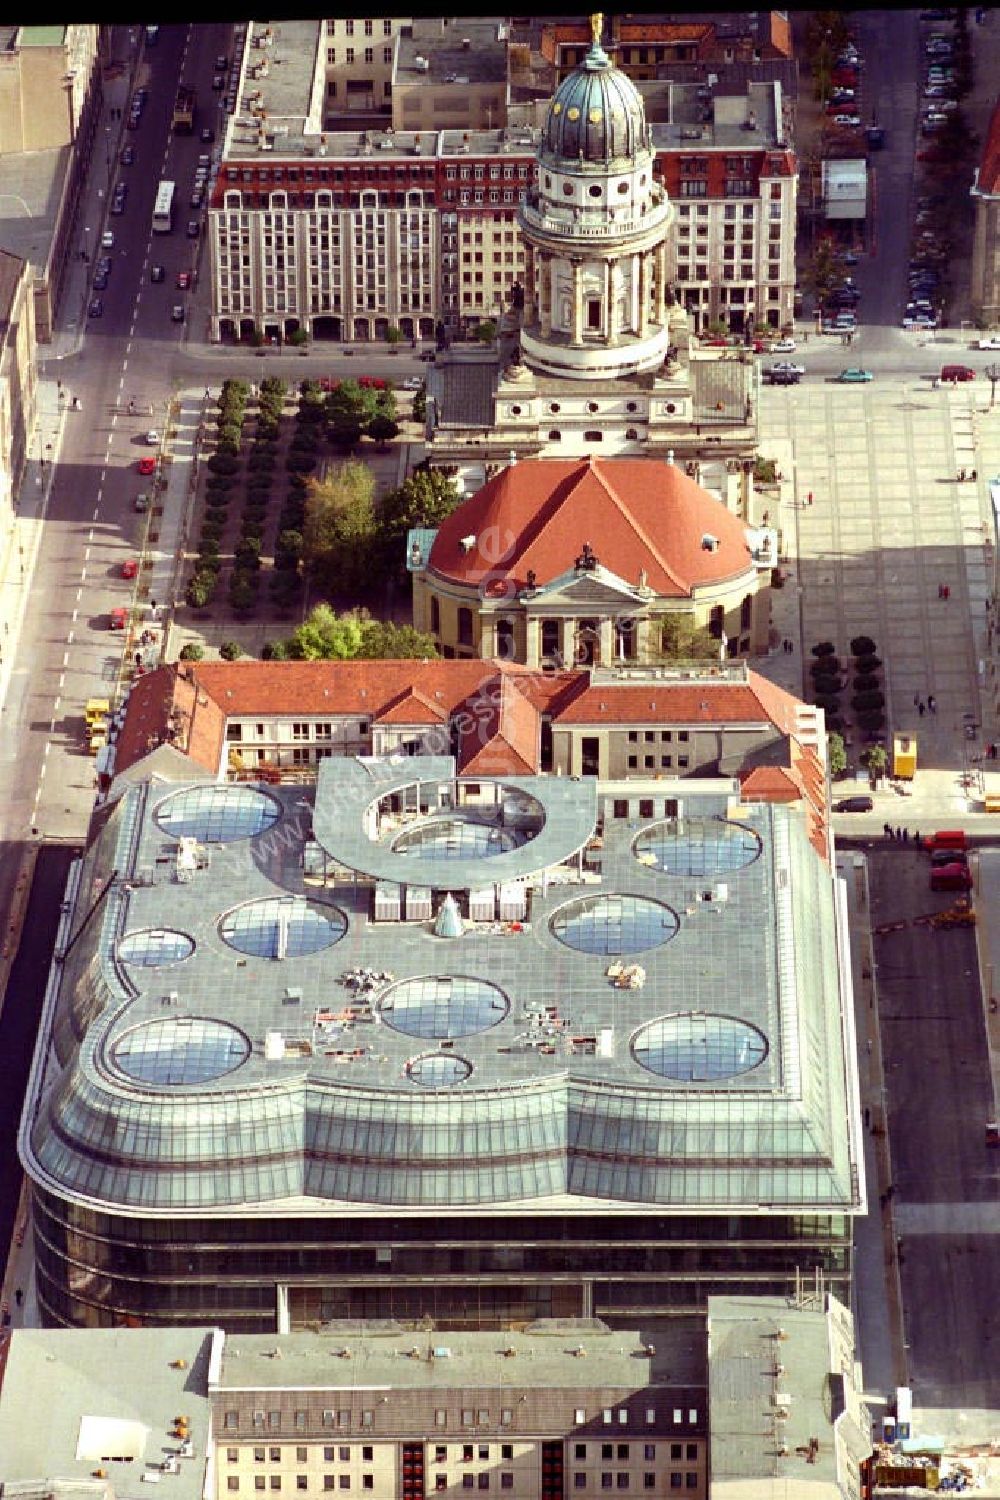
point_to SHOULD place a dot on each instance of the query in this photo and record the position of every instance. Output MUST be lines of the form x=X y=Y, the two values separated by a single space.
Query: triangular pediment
x=590 y=586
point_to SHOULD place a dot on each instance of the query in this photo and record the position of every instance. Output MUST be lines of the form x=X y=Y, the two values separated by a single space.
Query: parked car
x=788 y=368
x=183 y=280
x=854 y=805
x=207 y=134
x=774 y=376
x=783 y=346
x=130 y=567
x=992 y=341
x=147 y=465
x=128 y=156
x=177 y=313
x=107 y=239
x=849 y=120
x=957 y=373
x=101 y=281
x=854 y=376
x=96 y=308
x=218 y=83
x=192 y=229
x=412 y=383
x=951 y=877
x=152 y=438
x=156 y=273
x=119 y=618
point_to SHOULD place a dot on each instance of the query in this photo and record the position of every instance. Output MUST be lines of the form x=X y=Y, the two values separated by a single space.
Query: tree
x=486 y=331
x=836 y=752
x=823 y=269
x=682 y=639
x=393 y=335
x=193 y=651
x=230 y=650
x=419 y=409
x=382 y=429
x=425 y=498
x=326 y=636
x=351 y=404
x=384 y=640
x=876 y=760
x=339 y=531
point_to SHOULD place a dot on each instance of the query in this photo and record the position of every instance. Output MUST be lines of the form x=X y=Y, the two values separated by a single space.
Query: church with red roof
x=591 y=562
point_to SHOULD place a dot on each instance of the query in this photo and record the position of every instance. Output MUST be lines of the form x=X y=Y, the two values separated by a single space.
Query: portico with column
x=595 y=228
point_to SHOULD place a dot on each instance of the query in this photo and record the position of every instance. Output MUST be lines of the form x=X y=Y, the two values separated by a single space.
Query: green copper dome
x=596 y=115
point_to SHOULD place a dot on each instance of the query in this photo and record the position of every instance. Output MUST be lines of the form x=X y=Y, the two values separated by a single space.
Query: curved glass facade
x=155 y=948
x=182 y=1051
x=217 y=814
x=455 y=838
x=439 y=1070
x=699 y=1048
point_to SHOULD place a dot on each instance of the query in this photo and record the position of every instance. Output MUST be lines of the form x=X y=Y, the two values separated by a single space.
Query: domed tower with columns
x=596 y=298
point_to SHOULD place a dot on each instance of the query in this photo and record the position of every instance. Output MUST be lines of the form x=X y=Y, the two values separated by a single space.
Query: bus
x=163 y=209
x=183 y=122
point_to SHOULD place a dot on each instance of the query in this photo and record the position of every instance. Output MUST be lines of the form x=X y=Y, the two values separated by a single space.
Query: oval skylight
x=283 y=927
x=613 y=924
x=699 y=847
x=439 y=1070
x=155 y=947
x=440 y=1005
x=217 y=814
x=181 y=1050
x=454 y=838
x=695 y=1048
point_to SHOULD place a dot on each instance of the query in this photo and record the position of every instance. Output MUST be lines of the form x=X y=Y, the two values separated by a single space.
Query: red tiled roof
x=498 y=731
x=989 y=165
x=703 y=702
x=779 y=32
x=165 y=706
x=639 y=515
x=771 y=784
x=411 y=706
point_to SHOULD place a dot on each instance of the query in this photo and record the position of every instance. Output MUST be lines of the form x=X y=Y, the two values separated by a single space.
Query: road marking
x=90 y=534
x=62 y=680
x=65 y=660
x=121 y=383
x=83 y=578
x=96 y=510
x=52 y=730
x=69 y=638
x=86 y=554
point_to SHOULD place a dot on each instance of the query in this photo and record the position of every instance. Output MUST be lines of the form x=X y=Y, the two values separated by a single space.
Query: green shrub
x=219 y=483
x=201 y=588
x=284 y=586
x=304 y=442
x=259 y=483
x=274 y=651
x=211 y=530
x=863 y=702
x=192 y=652
x=261 y=463
x=827 y=702
x=824 y=648
x=296 y=482
x=229 y=431
x=222 y=463
x=250 y=527
x=868 y=663
x=824 y=666
x=866 y=682
x=208 y=548
x=862 y=645
x=243 y=591
x=289 y=544
x=309 y=414
x=217 y=514
x=230 y=651
x=871 y=720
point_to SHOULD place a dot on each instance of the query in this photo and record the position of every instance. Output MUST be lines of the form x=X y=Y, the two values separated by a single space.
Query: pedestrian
x=920 y=708
x=916 y=839
x=887 y=830
x=947 y=591
x=932 y=703
x=916 y=699
x=208 y=393
x=809 y=498
x=18 y=1296
x=940 y=596
x=972 y=476
x=906 y=836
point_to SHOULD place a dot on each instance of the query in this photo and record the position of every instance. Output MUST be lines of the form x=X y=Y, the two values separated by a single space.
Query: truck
x=904 y=757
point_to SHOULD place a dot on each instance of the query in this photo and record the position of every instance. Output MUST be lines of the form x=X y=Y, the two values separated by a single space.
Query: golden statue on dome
x=596 y=29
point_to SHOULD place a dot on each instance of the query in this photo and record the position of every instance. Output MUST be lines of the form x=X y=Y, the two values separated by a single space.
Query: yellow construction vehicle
x=904 y=757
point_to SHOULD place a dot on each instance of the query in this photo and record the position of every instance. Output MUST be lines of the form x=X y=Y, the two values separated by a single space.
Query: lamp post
x=992 y=373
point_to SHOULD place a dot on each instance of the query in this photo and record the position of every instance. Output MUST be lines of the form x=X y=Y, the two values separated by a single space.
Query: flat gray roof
x=448 y=60
x=31 y=185
x=545 y=1354
x=75 y=1398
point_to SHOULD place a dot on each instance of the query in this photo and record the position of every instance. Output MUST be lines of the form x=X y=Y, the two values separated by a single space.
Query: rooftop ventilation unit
x=467 y=543
x=421 y=64
x=709 y=543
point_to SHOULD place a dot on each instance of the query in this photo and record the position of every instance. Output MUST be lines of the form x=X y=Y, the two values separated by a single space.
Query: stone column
x=660 y=315
x=606 y=632
x=567 y=642
x=577 y=333
x=611 y=294
x=531 y=639
x=487 y=637
x=545 y=293
x=645 y=261
x=529 y=285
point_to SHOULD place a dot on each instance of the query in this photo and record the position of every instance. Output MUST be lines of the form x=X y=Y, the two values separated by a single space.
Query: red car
x=183 y=280
x=130 y=567
x=954 y=877
x=147 y=465
x=119 y=618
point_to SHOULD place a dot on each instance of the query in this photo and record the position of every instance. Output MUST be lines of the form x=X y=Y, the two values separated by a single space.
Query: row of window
x=479 y=1416
x=369 y=26
x=580 y=1481
x=369 y=55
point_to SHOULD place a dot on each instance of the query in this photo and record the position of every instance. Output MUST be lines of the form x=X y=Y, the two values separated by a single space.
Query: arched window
x=593 y=436
x=746 y=612
x=555 y=435
x=435 y=617
x=465 y=627
x=505 y=639
x=324 y=199
x=594 y=190
x=631 y=435
x=717 y=622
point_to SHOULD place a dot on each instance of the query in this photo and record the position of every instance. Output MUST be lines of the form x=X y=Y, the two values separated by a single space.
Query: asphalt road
x=946 y=1182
